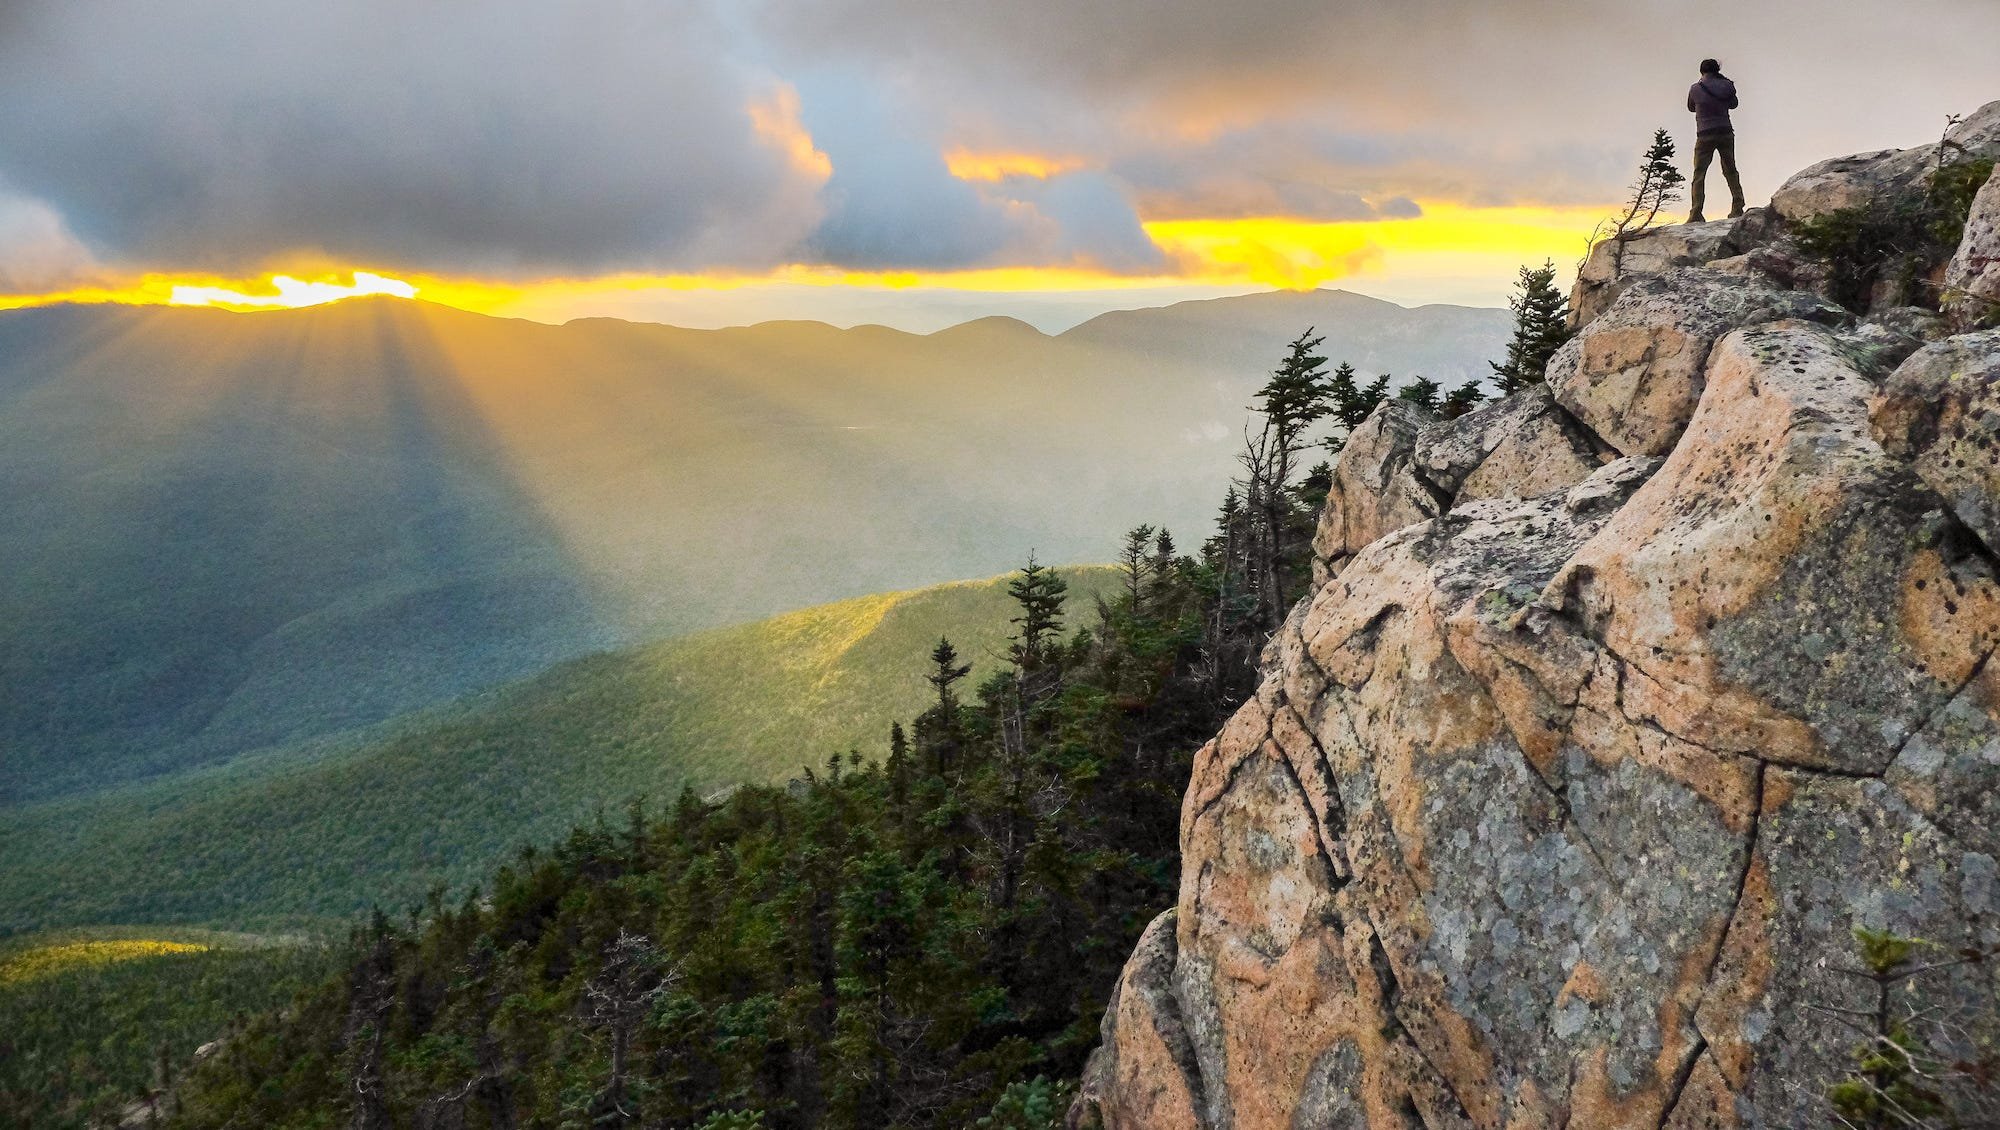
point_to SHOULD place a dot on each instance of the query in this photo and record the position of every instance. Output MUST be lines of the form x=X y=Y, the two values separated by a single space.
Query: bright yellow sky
x=1453 y=249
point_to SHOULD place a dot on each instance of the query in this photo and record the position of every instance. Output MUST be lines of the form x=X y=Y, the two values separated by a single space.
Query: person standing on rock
x=1710 y=101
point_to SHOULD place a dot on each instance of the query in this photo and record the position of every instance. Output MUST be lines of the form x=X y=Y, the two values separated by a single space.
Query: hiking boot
x=1736 y=211
x=1696 y=218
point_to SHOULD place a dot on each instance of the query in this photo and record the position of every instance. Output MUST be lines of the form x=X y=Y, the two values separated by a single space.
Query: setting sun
x=287 y=291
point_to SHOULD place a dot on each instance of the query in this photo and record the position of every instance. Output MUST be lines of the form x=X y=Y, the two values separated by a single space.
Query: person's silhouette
x=1710 y=100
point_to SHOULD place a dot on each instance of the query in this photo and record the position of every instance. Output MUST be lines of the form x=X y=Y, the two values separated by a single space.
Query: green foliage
x=1541 y=326
x=1423 y=392
x=1904 y=1077
x=82 y=1043
x=1656 y=188
x=1462 y=399
x=1895 y=244
x=871 y=946
x=1295 y=397
x=1038 y=1104
x=455 y=791
x=1352 y=401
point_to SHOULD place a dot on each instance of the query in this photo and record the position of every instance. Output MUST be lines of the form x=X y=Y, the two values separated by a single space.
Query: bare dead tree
x=634 y=975
x=1918 y=1063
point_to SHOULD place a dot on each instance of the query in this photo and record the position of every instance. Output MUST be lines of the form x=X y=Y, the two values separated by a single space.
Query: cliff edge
x=1617 y=706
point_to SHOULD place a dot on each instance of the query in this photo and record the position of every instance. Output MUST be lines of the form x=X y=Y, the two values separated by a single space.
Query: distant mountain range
x=232 y=531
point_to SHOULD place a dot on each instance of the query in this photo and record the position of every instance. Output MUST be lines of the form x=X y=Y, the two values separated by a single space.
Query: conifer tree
x=946 y=670
x=939 y=733
x=1297 y=396
x=1657 y=186
x=1422 y=392
x=1040 y=591
x=1351 y=402
x=1541 y=326
x=1135 y=561
x=1164 y=556
x=1462 y=399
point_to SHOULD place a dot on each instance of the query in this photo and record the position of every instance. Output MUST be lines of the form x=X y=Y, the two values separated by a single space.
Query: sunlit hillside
x=84 y=1014
x=447 y=797
x=231 y=531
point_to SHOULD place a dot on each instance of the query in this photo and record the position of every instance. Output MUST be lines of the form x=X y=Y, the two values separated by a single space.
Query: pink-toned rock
x=1516 y=447
x=1940 y=410
x=1634 y=375
x=1374 y=488
x=1613 y=265
x=1972 y=280
x=1862 y=179
x=1553 y=810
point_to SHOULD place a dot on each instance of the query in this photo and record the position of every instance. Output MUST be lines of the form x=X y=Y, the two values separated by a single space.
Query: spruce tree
x=1422 y=392
x=1134 y=561
x=1541 y=326
x=1462 y=399
x=1298 y=395
x=946 y=670
x=1351 y=402
x=1657 y=186
x=1040 y=592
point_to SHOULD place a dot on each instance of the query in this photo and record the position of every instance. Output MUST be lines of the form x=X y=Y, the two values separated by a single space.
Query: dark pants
x=1707 y=146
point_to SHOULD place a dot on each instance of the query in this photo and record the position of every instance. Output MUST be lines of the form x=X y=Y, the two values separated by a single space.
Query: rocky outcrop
x=1856 y=181
x=1560 y=800
x=1972 y=280
x=1633 y=376
x=1522 y=446
x=1374 y=488
x=1613 y=266
x=1760 y=244
x=1940 y=411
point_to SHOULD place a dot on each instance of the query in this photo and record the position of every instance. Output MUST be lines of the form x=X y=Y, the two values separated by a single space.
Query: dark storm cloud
x=442 y=133
x=1484 y=100
x=527 y=137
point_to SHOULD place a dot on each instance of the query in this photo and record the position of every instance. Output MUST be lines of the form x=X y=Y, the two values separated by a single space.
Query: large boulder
x=1375 y=489
x=1634 y=374
x=1613 y=265
x=1859 y=180
x=1940 y=410
x=1972 y=280
x=1559 y=810
x=1520 y=446
x=1143 y=1057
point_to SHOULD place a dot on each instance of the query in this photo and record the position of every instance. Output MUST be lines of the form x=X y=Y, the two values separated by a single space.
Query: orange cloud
x=967 y=164
x=776 y=120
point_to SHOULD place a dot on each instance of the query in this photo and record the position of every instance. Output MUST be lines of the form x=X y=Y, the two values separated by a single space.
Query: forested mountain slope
x=445 y=797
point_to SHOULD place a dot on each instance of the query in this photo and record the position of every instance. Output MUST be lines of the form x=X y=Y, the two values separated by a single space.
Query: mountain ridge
x=238 y=530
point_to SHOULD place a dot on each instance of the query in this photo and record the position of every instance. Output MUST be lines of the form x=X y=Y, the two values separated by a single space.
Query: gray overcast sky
x=520 y=138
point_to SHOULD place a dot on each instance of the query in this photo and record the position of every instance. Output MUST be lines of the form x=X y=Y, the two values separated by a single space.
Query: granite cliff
x=1616 y=707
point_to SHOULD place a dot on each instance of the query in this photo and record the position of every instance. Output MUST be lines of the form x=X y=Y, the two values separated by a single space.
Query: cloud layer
x=521 y=138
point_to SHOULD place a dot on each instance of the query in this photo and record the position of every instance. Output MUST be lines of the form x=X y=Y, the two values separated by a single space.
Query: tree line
x=923 y=938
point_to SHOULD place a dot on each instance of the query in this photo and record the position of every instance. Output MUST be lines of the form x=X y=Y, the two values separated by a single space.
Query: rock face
x=1941 y=411
x=1374 y=487
x=1633 y=376
x=1615 y=708
x=1611 y=267
x=1851 y=182
x=1972 y=280
x=1522 y=446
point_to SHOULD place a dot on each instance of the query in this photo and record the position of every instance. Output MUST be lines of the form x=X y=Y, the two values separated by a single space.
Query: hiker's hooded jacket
x=1711 y=99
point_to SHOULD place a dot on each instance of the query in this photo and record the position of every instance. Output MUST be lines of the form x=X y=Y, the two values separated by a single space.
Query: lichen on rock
x=1569 y=780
